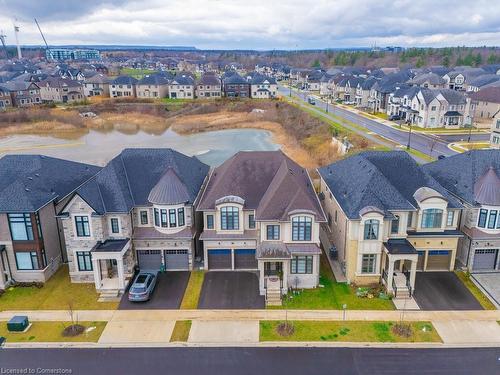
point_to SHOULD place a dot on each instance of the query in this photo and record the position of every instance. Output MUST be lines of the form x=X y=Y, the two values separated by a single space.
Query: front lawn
x=476 y=292
x=56 y=294
x=52 y=332
x=348 y=331
x=181 y=331
x=193 y=290
x=333 y=295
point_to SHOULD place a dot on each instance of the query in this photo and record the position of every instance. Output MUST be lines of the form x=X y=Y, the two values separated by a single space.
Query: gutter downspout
x=64 y=259
x=8 y=264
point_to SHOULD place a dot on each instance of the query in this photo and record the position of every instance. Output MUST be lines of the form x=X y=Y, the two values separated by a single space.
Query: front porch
x=399 y=268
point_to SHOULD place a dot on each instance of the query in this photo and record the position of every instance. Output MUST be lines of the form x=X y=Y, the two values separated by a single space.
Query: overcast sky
x=256 y=24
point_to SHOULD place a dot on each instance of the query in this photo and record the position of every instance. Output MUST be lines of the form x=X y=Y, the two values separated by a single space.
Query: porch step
x=274 y=303
x=110 y=296
x=273 y=297
x=402 y=293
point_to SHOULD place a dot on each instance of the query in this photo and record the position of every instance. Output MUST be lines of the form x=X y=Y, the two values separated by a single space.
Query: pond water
x=98 y=148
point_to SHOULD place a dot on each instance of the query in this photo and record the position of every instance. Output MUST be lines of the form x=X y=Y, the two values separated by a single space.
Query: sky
x=255 y=24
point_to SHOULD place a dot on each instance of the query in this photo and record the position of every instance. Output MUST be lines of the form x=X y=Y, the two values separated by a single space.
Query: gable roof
x=209 y=79
x=268 y=181
x=386 y=181
x=29 y=182
x=124 y=80
x=137 y=174
x=153 y=79
x=488 y=94
x=460 y=173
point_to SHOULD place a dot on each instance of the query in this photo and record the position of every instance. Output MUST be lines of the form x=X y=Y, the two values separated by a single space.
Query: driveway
x=443 y=291
x=168 y=293
x=231 y=290
x=490 y=283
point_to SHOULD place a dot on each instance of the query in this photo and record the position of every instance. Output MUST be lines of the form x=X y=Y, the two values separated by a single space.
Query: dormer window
x=229 y=218
x=432 y=218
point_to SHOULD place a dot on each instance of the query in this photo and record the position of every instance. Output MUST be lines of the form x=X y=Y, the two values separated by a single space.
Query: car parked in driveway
x=143 y=286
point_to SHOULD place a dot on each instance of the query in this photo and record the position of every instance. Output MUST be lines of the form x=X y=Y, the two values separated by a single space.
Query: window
x=21 y=228
x=301 y=264
x=27 y=260
x=483 y=214
x=210 y=221
x=371 y=229
x=157 y=217
x=115 y=225
x=450 y=219
x=251 y=221
x=492 y=219
x=395 y=224
x=229 y=217
x=82 y=226
x=432 y=218
x=84 y=260
x=163 y=218
x=368 y=263
x=180 y=217
x=144 y=217
x=301 y=228
x=410 y=219
x=273 y=232
x=172 y=218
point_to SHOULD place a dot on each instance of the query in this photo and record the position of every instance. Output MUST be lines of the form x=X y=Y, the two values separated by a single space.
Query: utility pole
x=16 y=32
x=409 y=139
x=327 y=103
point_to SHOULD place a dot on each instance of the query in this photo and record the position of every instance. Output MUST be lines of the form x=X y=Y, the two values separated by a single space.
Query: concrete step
x=110 y=296
x=273 y=303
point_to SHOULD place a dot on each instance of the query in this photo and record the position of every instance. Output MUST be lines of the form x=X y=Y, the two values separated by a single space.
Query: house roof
x=235 y=79
x=399 y=246
x=209 y=80
x=488 y=94
x=124 y=80
x=182 y=80
x=386 y=181
x=29 y=182
x=268 y=181
x=137 y=174
x=98 y=78
x=432 y=78
x=460 y=173
x=153 y=79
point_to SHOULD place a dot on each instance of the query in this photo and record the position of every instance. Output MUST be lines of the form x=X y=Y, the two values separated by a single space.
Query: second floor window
x=251 y=221
x=82 y=226
x=371 y=229
x=450 y=219
x=301 y=228
x=210 y=221
x=144 y=217
x=395 y=225
x=432 y=218
x=172 y=218
x=21 y=228
x=273 y=232
x=115 y=225
x=229 y=218
x=492 y=219
x=180 y=214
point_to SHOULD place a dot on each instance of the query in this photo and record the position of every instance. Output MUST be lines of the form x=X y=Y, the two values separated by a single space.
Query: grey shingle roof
x=384 y=180
x=124 y=80
x=209 y=80
x=153 y=79
x=488 y=94
x=28 y=182
x=460 y=173
x=128 y=179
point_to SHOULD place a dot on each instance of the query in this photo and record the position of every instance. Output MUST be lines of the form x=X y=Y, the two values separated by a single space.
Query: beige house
x=123 y=87
x=152 y=86
x=209 y=87
x=487 y=104
x=495 y=131
x=97 y=85
x=181 y=87
x=387 y=227
x=61 y=90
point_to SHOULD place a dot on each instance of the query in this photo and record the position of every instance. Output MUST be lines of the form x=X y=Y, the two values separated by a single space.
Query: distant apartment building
x=72 y=54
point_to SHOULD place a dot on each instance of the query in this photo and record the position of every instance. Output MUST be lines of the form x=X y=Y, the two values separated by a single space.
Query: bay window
x=301 y=264
x=172 y=218
x=181 y=219
x=371 y=229
x=492 y=219
x=157 y=217
x=483 y=214
x=164 y=222
x=301 y=228
x=229 y=217
x=432 y=218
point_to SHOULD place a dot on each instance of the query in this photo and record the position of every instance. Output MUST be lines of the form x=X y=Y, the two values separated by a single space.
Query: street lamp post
x=409 y=139
x=327 y=103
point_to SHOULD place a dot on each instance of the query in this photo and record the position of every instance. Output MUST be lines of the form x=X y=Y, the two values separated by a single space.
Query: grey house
x=31 y=189
x=474 y=178
x=139 y=210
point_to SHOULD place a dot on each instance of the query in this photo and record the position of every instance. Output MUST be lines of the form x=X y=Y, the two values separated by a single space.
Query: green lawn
x=348 y=331
x=56 y=294
x=333 y=295
x=483 y=300
x=193 y=290
x=52 y=332
x=136 y=73
x=181 y=331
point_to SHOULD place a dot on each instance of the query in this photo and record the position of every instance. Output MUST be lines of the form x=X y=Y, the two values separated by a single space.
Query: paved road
x=251 y=361
x=426 y=143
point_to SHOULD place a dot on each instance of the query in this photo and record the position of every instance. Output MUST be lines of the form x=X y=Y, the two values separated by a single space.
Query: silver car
x=142 y=287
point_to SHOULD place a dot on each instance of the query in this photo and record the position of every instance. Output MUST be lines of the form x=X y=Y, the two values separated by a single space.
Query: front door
x=273 y=268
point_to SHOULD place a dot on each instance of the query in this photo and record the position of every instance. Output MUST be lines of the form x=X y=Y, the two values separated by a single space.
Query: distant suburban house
x=97 y=85
x=209 y=86
x=152 y=86
x=31 y=188
x=248 y=225
x=123 y=87
x=474 y=178
x=388 y=219
x=495 y=131
x=181 y=87
x=363 y=91
x=5 y=99
x=487 y=104
x=22 y=93
x=235 y=86
x=263 y=87
x=483 y=81
x=428 y=81
x=61 y=90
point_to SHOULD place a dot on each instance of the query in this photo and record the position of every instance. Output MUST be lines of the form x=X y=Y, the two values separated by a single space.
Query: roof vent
x=30 y=178
x=37 y=174
x=26 y=189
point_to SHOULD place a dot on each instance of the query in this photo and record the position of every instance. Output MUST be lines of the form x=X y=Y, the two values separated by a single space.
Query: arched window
x=371 y=229
x=301 y=228
x=229 y=218
x=432 y=218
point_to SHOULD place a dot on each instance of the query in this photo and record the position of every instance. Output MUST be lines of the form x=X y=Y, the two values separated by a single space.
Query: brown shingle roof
x=488 y=94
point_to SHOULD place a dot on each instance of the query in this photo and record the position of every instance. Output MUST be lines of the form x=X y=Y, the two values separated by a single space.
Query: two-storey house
x=235 y=86
x=31 y=189
x=60 y=90
x=5 y=100
x=153 y=86
x=181 y=87
x=138 y=211
x=261 y=213
x=388 y=219
x=97 y=85
x=209 y=86
x=263 y=87
x=123 y=87
x=22 y=93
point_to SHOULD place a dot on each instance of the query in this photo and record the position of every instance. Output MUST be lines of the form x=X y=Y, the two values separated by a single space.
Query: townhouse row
x=157 y=209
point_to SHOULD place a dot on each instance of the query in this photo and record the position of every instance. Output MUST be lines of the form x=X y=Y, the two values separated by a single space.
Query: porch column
x=121 y=275
x=413 y=273
x=390 y=274
x=96 y=266
x=286 y=270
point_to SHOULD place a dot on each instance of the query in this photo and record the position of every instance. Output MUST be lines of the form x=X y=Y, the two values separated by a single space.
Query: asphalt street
x=251 y=361
x=428 y=144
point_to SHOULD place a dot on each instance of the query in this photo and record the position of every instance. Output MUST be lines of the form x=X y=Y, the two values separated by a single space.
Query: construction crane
x=2 y=38
x=47 y=49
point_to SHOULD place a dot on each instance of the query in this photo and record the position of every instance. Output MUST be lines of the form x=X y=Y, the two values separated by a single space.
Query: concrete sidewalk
x=137 y=332
x=211 y=331
x=468 y=332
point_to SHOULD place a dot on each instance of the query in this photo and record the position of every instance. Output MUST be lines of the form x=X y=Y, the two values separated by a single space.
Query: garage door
x=421 y=260
x=149 y=259
x=245 y=259
x=219 y=259
x=176 y=259
x=438 y=260
x=485 y=259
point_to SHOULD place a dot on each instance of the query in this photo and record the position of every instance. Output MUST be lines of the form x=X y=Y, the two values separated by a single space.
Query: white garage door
x=176 y=260
x=485 y=259
x=149 y=259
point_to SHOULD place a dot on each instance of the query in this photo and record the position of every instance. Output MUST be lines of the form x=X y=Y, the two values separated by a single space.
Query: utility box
x=18 y=323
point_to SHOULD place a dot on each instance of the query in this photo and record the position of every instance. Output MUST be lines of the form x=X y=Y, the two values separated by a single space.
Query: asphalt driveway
x=443 y=291
x=168 y=293
x=231 y=290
